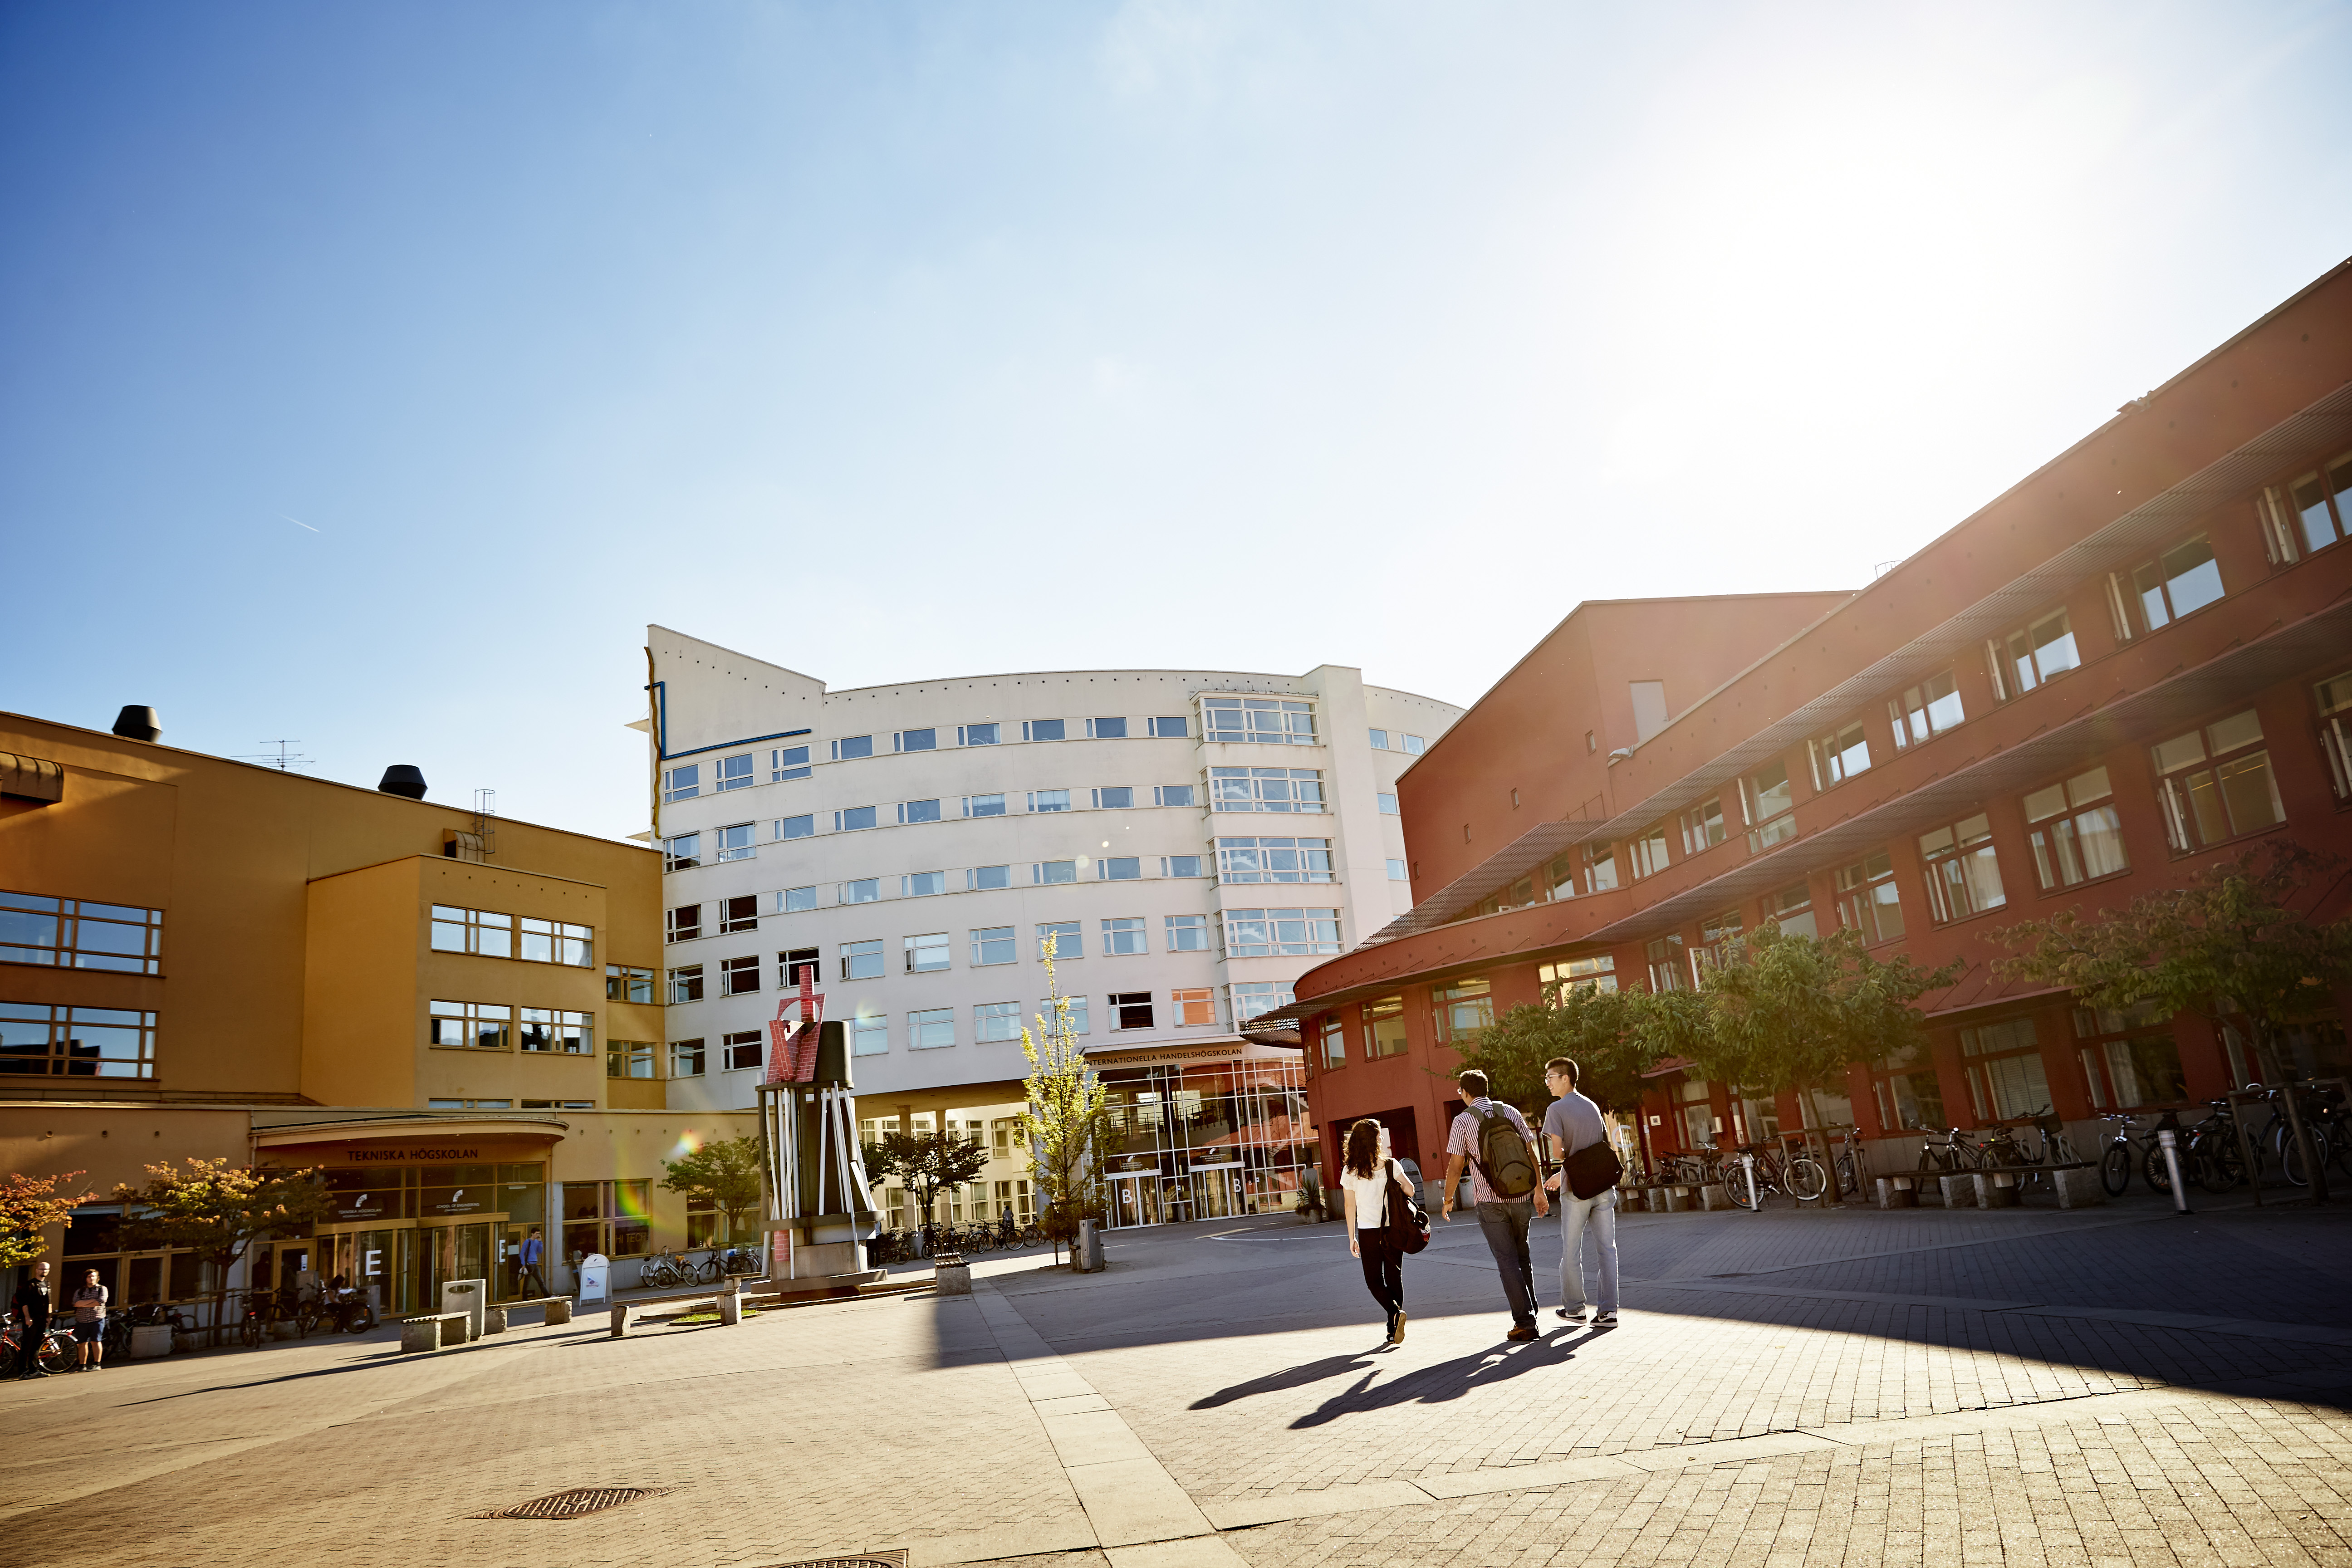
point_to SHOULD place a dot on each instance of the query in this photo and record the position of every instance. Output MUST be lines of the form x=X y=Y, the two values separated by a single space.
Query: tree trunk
x=1829 y=1166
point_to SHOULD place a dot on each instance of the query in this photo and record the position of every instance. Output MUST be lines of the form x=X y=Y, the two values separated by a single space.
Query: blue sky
x=371 y=376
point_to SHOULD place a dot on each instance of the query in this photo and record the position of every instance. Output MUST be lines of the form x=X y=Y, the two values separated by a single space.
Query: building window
x=976 y=734
x=1174 y=795
x=1044 y=729
x=686 y=984
x=1717 y=934
x=1910 y=1095
x=984 y=806
x=623 y=984
x=787 y=762
x=471 y=1026
x=1253 y=999
x=1106 y=728
x=1130 y=1010
x=1702 y=826
x=1387 y=802
x=793 y=900
x=682 y=852
x=1668 y=971
x=869 y=1035
x=1274 y=859
x=470 y=931
x=686 y=1058
x=918 y=811
x=1172 y=727
x=735 y=842
x=1598 y=972
x=2129 y=1059
x=931 y=1030
x=1180 y=864
x=1415 y=745
x=865 y=890
x=852 y=748
x=862 y=959
x=1190 y=1008
x=1792 y=909
x=856 y=819
x=2320 y=506
x=629 y=1059
x=922 y=884
x=1265 y=789
x=2006 y=1079
x=994 y=1021
x=1280 y=933
x=1188 y=933
x=1076 y=1013
x=1397 y=873
x=2182 y=581
x=1125 y=937
x=1334 y=1033
x=2217 y=783
x=1118 y=797
x=1601 y=866
x=2077 y=837
x=2031 y=655
x=1646 y=851
x=681 y=782
x=1867 y=901
x=1060 y=940
x=1050 y=873
x=1767 y=798
x=915 y=740
x=1839 y=756
x=1519 y=895
x=77 y=934
x=2334 y=698
x=1049 y=800
x=1963 y=873
x=800 y=827
x=983 y=878
x=41 y=1041
x=1380 y=740
x=732 y=773
x=739 y=914
x=793 y=967
x=1384 y=1031
x=1925 y=710
x=927 y=953
x=558 y=942
x=553 y=1031
x=1120 y=869
x=1461 y=1009
x=1262 y=721
x=738 y=976
x=741 y=1052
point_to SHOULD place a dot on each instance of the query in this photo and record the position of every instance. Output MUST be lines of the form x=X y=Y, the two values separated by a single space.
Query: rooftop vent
x=402 y=779
x=135 y=723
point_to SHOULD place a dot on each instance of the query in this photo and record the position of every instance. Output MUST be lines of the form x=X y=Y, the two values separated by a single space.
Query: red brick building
x=2137 y=660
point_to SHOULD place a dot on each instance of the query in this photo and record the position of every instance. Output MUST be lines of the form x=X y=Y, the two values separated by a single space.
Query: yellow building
x=444 y=1011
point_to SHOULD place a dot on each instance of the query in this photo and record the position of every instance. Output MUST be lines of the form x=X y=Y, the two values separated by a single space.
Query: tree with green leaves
x=1599 y=1030
x=2230 y=945
x=729 y=1175
x=926 y=1163
x=216 y=1210
x=1064 y=1120
x=28 y=1206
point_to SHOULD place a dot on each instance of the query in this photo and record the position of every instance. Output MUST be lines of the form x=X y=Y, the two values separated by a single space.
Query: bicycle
x=1774 y=1174
x=1846 y=1163
x=57 y=1352
x=351 y=1314
x=1951 y=1155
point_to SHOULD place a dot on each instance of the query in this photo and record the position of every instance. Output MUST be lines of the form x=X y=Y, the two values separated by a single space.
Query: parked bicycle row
x=1006 y=1235
x=661 y=1270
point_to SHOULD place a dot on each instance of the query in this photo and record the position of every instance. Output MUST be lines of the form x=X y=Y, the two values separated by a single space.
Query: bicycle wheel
x=305 y=1320
x=2152 y=1170
x=1735 y=1185
x=360 y=1319
x=250 y=1330
x=2219 y=1165
x=1807 y=1181
x=2114 y=1170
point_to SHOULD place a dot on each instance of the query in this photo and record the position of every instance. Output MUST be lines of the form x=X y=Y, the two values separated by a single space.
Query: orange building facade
x=2137 y=661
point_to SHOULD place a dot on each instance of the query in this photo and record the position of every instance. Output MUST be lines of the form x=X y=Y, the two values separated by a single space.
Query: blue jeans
x=1506 y=1226
x=1599 y=1214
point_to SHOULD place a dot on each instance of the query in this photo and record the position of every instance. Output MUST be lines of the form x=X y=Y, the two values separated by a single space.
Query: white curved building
x=1191 y=840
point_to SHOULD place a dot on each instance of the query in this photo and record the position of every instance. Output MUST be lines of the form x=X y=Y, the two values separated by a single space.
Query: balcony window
x=2005 y=1074
x=1254 y=999
x=1384 y=1029
x=1925 y=710
x=2033 y=654
x=1274 y=859
x=1768 y=797
x=1867 y=901
x=1963 y=872
x=1702 y=826
x=2182 y=581
x=1646 y=851
x=1598 y=971
x=1265 y=789
x=1839 y=756
x=2216 y=782
x=2077 y=837
x=1280 y=933
x=1257 y=720
x=1461 y=1010
x=2322 y=504
x=1669 y=970
x=2335 y=700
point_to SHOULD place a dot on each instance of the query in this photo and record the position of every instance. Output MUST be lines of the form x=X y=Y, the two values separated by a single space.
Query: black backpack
x=1504 y=1157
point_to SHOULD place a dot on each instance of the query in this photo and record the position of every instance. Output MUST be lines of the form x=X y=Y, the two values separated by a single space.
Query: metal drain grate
x=865 y=1560
x=572 y=1504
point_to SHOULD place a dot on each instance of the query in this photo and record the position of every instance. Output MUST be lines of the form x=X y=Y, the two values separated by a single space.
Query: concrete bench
x=1716 y=1195
x=559 y=1310
x=432 y=1331
x=1897 y=1193
x=1674 y=1198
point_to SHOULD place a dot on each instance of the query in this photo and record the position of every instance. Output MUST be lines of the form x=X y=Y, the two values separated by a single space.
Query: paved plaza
x=2112 y=1386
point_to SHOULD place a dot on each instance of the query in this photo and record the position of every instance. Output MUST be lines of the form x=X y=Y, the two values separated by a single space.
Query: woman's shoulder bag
x=1408 y=1220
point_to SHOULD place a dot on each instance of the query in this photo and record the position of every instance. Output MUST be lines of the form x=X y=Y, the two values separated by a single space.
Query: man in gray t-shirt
x=1573 y=1122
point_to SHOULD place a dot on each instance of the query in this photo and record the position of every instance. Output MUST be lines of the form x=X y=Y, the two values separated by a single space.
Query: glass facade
x=1209 y=1141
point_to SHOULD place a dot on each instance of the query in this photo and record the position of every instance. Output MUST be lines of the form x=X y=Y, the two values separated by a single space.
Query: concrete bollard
x=1897 y=1193
x=1715 y=1196
x=951 y=1276
x=730 y=1304
x=1959 y=1191
x=620 y=1319
x=494 y=1321
x=420 y=1336
x=1997 y=1190
x=1678 y=1199
x=2078 y=1187
x=559 y=1310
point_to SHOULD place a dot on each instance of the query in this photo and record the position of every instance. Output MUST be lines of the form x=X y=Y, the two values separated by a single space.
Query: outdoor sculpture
x=820 y=1210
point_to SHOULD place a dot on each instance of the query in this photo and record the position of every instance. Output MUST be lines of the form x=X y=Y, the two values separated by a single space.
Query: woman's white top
x=1372 y=1192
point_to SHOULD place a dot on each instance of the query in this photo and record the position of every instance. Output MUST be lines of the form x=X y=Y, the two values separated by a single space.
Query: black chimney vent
x=134 y=723
x=402 y=779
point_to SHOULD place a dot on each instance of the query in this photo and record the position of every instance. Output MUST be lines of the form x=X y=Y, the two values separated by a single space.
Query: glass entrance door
x=1213 y=1194
x=1134 y=1200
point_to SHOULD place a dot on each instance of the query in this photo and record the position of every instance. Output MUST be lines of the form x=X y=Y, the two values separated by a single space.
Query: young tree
x=926 y=1163
x=216 y=1209
x=1597 y=1030
x=2229 y=946
x=28 y=1206
x=728 y=1175
x=1066 y=1122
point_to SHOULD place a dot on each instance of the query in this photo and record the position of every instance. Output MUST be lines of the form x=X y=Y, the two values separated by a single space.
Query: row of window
x=80 y=933
x=1241 y=933
x=494 y=1027
x=37 y=1040
x=493 y=935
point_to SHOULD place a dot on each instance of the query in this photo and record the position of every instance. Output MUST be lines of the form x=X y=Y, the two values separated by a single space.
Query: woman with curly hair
x=1364 y=1176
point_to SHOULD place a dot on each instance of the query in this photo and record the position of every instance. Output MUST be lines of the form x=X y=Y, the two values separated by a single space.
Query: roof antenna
x=284 y=761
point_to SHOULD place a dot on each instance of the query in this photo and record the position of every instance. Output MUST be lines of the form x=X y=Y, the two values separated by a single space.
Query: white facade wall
x=716 y=707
